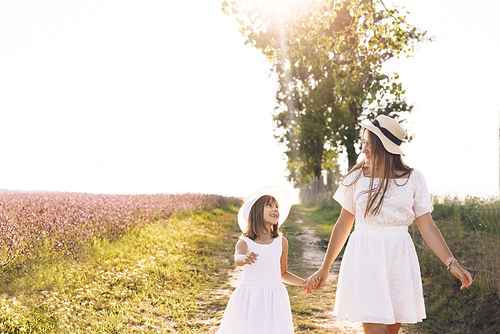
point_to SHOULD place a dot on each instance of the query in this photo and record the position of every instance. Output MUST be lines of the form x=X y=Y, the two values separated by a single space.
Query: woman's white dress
x=379 y=279
x=260 y=303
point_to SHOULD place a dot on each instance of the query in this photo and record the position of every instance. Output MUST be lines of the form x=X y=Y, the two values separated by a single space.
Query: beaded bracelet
x=449 y=263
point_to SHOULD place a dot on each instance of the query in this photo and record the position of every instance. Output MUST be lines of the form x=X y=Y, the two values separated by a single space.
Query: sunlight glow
x=286 y=6
x=278 y=2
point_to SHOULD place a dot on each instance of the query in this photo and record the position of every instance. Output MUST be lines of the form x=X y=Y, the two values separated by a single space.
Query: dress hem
x=379 y=322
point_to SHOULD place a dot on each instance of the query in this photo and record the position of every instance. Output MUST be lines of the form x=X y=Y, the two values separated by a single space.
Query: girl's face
x=271 y=213
x=366 y=147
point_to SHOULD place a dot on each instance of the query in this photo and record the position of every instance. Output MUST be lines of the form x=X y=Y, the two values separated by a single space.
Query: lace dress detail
x=379 y=279
x=260 y=303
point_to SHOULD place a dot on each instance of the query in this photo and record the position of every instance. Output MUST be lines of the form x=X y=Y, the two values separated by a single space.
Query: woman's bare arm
x=339 y=235
x=436 y=242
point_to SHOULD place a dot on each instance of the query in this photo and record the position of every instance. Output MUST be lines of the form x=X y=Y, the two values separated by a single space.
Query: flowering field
x=150 y=280
x=39 y=228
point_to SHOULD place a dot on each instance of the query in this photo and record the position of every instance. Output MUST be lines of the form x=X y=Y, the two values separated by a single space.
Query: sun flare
x=284 y=5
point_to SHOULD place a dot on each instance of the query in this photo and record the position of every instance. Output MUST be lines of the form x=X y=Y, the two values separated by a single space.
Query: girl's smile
x=271 y=213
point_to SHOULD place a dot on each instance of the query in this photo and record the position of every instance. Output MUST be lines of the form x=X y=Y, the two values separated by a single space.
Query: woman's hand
x=316 y=280
x=310 y=283
x=462 y=274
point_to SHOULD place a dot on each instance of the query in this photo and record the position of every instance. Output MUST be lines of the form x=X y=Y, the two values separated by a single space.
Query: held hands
x=462 y=274
x=316 y=280
x=310 y=283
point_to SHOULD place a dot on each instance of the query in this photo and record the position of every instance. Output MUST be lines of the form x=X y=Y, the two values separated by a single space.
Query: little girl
x=260 y=303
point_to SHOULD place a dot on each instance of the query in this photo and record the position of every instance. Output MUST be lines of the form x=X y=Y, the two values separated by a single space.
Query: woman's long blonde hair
x=392 y=166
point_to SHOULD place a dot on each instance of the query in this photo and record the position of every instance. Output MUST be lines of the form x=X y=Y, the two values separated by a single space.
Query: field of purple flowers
x=40 y=228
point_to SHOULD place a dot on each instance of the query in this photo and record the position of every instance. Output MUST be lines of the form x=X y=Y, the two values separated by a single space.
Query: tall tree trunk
x=319 y=160
x=352 y=157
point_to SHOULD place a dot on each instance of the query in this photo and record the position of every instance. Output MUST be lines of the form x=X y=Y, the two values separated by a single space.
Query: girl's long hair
x=392 y=167
x=256 y=225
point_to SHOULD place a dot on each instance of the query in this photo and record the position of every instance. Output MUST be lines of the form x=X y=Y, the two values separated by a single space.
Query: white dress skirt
x=260 y=303
x=379 y=279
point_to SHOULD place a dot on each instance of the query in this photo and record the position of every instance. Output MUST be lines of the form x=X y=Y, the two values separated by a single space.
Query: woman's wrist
x=447 y=261
x=325 y=267
x=450 y=262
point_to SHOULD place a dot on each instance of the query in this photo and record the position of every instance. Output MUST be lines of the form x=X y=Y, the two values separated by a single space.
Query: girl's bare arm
x=242 y=256
x=287 y=276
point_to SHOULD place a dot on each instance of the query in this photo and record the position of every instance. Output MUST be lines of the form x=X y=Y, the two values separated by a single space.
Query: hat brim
x=282 y=195
x=388 y=145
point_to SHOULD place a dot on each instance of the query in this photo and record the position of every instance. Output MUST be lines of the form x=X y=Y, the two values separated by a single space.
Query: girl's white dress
x=260 y=303
x=379 y=279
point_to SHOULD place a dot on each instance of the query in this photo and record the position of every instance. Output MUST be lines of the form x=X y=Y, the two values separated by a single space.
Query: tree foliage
x=328 y=56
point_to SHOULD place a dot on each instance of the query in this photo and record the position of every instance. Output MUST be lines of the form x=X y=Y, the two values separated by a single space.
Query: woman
x=379 y=281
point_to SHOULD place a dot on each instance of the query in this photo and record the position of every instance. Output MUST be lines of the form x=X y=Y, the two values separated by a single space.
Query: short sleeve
x=421 y=199
x=345 y=194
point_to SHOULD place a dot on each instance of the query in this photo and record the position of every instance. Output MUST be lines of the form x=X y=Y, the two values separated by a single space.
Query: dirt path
x=311 y=259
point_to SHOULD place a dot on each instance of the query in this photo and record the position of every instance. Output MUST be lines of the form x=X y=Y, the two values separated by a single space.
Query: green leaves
x=224 y=6
x=336 y=50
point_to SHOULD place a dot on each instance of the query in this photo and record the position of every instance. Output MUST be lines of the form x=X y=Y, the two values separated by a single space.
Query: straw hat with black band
x=282 y=196
x=389 y=131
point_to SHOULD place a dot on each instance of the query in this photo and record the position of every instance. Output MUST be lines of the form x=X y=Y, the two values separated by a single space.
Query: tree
x=329 y=59
x=303 y=127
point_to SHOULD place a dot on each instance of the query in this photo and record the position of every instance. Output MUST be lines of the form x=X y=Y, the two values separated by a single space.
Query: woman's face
x=271 y=213
x=366 y=147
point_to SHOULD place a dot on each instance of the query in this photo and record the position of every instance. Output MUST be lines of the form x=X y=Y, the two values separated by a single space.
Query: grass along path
x=147 y=282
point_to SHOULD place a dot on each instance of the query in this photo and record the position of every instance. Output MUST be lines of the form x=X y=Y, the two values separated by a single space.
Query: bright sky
x=163 y=97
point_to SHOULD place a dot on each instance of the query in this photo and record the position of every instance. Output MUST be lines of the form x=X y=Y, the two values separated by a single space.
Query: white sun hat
x=282 y=195
x=389 y=131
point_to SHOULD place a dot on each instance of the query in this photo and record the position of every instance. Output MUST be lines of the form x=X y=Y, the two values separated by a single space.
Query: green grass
x=150 y=281
x=321 y=218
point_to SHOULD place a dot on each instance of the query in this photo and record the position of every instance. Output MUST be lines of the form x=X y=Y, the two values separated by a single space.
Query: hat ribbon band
x=388 y=133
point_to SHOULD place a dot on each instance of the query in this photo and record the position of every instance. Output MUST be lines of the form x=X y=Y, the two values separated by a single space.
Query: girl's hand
x=462 y=274
x=310 y=283
x=250 y=258
x=316 y=280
